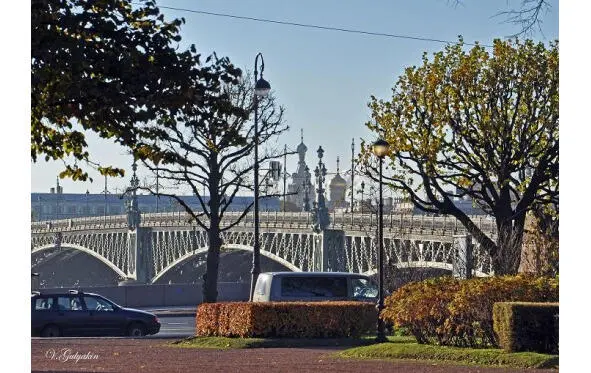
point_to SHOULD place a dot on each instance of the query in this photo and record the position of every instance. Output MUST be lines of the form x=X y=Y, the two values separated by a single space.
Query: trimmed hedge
x=285 y=319
x=522 y=326
x=454 y=312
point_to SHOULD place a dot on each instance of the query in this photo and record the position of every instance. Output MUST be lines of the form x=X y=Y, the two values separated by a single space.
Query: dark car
x=86 y=314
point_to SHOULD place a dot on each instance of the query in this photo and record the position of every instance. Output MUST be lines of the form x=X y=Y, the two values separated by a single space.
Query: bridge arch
x=202 y=250
x=420 y=264
x=85 y=250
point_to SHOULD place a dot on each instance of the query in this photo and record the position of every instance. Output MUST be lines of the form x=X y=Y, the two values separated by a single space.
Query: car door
x=42 y=312
x=103 y=318
x=71 y=317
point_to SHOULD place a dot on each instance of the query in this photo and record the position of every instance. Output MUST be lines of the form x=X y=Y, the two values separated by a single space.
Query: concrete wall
x=163 y=295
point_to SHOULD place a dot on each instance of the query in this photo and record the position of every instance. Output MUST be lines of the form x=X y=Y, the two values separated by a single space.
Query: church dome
x=338 y=181
x=302 y=148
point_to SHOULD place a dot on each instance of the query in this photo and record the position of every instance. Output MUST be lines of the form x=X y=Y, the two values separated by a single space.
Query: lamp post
x=261 y=89
x=57 y=199
x=105 y=197
x=306 y=185
x=362 y=189
x=284 y=175
x=380 y=149
x=321 y=219
x=87 y=212
x=352 y=175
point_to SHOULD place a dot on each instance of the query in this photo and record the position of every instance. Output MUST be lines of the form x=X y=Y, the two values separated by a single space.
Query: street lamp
x=87 y=212
x=380 y=149
x=362 y=189
x=306 y=185
x=352 y=175
x=261 y=89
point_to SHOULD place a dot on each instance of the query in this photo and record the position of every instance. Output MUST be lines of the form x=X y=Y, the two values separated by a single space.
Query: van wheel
x=136 y=330
x=50 y=331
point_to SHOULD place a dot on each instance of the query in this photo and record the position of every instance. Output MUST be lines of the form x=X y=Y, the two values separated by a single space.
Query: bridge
x=165 y=240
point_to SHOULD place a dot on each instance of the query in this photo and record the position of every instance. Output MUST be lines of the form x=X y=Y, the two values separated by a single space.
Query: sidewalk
x=157 y=356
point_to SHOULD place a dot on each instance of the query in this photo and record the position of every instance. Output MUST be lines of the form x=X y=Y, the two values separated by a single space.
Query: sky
x=323 y=78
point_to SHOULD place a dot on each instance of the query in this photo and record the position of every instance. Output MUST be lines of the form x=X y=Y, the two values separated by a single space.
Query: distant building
x=338 y=190
x=52 y=205
x=405 y=206
x=301 y=178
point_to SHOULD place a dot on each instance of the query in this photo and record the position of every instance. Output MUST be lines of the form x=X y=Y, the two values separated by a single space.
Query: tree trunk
x=210 y=279
x=507 y=258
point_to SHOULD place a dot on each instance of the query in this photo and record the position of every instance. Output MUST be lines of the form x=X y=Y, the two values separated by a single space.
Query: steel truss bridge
x=165 y=240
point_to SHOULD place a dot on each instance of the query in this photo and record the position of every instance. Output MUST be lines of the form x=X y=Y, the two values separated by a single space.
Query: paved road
x=176 y=327
x=156 y=356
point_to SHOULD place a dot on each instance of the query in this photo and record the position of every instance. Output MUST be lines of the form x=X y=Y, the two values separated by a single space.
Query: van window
x=310 y=287
x=362 y=288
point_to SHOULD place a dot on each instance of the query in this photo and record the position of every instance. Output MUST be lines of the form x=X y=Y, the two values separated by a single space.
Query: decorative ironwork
x=307 y=185
x=131 y=204
x=320 y=216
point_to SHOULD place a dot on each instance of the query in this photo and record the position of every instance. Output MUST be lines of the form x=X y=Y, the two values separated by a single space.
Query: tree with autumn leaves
x=109 y=66
x=479 y=124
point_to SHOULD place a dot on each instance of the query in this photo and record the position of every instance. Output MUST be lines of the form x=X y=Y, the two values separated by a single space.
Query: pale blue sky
x=323 y=78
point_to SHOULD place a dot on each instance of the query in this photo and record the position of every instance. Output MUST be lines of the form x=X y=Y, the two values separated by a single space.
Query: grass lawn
x=399 y=347
x=463 y=356
x=230 y=343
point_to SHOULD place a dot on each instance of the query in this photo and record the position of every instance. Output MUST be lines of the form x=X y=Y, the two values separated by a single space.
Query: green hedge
x=448 y=311
x=285 y=319
x=522 y=326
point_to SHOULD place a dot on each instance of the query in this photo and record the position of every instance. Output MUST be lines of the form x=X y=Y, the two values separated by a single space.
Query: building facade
x=51 y=206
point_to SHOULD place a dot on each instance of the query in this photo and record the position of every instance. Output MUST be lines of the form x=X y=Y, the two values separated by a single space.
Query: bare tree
x=528 y=16
x=210 y=150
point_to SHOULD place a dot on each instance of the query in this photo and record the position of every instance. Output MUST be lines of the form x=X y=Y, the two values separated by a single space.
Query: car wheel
x=136 y=330
x=50 y=331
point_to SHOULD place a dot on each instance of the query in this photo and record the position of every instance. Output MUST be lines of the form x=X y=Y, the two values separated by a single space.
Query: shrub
x=526 y=326
x=459 y=312
x=421 y=307
x=285 y=319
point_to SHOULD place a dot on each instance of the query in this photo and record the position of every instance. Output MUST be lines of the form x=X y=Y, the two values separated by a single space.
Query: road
x=175 y=327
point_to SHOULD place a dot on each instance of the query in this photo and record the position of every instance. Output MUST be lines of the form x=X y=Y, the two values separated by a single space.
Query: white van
x=313 y=286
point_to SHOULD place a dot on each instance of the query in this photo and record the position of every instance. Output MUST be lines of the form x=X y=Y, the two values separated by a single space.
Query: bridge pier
x=140 y=258
x=462 y=257
x=329 y=251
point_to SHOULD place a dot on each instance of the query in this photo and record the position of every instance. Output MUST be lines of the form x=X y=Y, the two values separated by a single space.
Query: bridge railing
x=410 y=223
